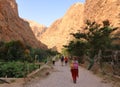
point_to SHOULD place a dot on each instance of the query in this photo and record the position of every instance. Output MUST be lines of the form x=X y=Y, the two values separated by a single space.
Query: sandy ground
x=61 y=77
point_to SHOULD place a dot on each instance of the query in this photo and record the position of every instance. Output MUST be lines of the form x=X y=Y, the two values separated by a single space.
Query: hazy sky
x=44 y=11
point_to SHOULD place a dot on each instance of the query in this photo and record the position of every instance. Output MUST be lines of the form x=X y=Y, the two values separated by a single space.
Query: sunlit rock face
x=58 y=34
x=12 y=27
x=100 y=10
x=38 y=29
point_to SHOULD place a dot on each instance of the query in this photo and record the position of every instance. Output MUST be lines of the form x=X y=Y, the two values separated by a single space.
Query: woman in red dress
x=74 y=70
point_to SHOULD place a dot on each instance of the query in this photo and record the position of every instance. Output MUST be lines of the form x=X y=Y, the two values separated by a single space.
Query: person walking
x=74 y=69
x=53 y=60
x=62 y=60
x=66 y=60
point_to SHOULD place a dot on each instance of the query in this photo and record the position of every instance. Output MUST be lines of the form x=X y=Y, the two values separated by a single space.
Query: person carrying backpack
x=74 y=69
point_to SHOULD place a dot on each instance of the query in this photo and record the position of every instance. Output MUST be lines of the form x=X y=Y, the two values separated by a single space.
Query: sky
x=44 y=11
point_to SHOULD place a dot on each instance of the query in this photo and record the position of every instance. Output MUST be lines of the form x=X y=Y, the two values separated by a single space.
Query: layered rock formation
x=12 y=27
x=58 y=34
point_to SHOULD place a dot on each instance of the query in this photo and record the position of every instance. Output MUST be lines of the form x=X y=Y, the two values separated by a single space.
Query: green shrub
x=16 y=69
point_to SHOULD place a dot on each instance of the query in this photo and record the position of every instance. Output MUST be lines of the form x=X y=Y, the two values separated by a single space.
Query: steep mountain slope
x=99 y=10
x=95 y=10
x=58 y=33
x=37 y=28
x=12 y=27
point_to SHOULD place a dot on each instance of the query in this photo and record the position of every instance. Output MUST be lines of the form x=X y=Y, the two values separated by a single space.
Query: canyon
x=58 y=34
x=12 y=27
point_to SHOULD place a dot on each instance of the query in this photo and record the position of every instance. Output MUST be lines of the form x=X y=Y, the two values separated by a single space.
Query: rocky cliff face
x=37 y=28
x=12 y=27
x=95 y=10
x=58 y=34
x=100 y=10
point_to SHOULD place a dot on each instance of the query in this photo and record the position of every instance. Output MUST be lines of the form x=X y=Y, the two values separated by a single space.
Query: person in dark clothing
x=62 y=60
x=53 y=60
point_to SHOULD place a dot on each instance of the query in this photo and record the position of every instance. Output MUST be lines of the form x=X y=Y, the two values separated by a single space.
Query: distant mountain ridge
x=38 y=29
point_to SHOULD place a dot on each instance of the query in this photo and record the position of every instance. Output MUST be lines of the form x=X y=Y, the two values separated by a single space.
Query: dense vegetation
x=16 y=69
x=18 y=59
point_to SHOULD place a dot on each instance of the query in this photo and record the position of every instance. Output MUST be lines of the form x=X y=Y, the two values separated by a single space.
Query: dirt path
x=62 y=78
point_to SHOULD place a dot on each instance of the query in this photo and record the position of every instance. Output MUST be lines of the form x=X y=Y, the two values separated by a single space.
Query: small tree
x=77 y=48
